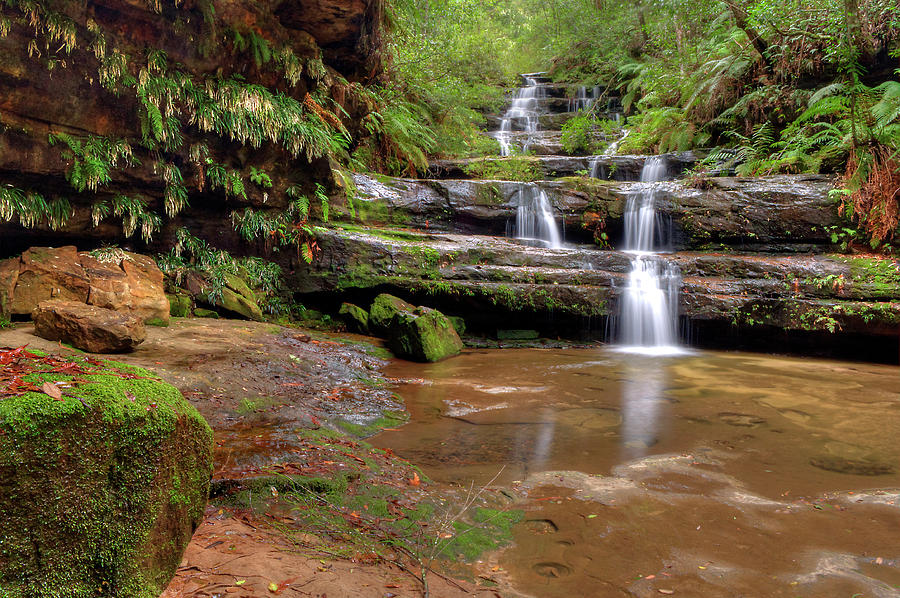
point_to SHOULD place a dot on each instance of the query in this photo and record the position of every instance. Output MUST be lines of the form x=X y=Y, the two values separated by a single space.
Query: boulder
x=101 y=488
x=87 y=327
x=180 y=305
x=423 y=335
x=383 y=311
x=236 y=296
x=111 y=279
x=459 y=324
x=356 y=318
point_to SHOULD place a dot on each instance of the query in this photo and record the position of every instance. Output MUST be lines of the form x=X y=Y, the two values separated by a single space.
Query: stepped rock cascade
x=523 y=113
x=649 y=308
x=534 y=217
x=585 y=99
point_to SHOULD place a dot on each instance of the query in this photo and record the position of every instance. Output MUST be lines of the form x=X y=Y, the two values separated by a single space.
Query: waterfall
x=649 y=302
x=522 y=112
x=534 y=217
x=585 y=99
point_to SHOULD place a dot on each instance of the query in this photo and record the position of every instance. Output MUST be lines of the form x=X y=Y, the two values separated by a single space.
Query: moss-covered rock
x=459 y=324
x=423 y=335
x=383 y=311
x=102 y=488
x=180 y=305
x=355 y=317
x=241 y=305
x=206 y=313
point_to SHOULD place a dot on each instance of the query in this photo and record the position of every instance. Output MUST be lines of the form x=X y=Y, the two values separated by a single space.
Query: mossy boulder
x=180 y=305
x=101 y=484
x=235 y=297
x=423 y=335
x=383 y=311
x=459 y=324
x=356 y=318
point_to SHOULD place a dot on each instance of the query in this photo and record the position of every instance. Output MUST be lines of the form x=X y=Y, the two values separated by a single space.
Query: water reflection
x=643 y=403
x=527 y=411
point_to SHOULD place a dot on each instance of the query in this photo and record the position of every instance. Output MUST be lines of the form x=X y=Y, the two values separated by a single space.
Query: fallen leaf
x=240 y=582
x=666 y=592
x=415 y=481
x=591 y=516
x=52 y=390
x=273 y=587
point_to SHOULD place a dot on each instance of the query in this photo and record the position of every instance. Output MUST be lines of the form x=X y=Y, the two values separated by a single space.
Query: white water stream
x=534 y=217
x=649 y=303
x=524 y=113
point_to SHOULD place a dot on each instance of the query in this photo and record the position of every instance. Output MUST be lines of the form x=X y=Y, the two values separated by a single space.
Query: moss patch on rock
x=101 y=488
x=423 y=335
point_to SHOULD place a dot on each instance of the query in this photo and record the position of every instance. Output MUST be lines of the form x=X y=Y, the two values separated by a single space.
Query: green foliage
x=133 y=212
x=514 y=168
x=282 y=228
x=582 y=133
x=193 y=254
x=93 y=159
x=260 y=178
x=30 y=209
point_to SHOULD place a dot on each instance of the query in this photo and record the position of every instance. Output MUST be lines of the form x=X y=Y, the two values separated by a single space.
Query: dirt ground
x=267 y=391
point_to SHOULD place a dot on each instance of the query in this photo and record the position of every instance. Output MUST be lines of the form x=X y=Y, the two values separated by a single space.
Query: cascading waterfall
x=649 y=303
x=585 y=99
x=523 y=112
x=534 y=217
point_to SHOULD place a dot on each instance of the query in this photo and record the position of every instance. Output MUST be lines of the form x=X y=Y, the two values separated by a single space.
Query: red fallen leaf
x=392 y=585
x=52 y=390
x=283 y=585
x=415 y=481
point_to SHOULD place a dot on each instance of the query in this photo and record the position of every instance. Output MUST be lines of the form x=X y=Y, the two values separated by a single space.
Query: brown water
x=712 y=474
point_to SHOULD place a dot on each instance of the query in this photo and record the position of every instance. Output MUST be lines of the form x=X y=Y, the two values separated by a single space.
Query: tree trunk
x=759 y=44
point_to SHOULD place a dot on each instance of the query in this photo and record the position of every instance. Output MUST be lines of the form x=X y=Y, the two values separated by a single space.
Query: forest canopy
x=786 y=86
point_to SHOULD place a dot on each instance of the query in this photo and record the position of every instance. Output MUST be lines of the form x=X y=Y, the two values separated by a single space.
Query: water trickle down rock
x=649 y=304
x=534 y=217
x=523 y=113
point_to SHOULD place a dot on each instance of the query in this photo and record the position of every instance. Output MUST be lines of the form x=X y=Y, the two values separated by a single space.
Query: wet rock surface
x=774 y=214
x=500 y=283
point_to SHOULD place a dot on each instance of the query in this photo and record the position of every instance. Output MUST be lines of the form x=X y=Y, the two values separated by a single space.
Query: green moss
x=131 y=461
x=489 y=195
x=384 y=233
x=425 y=335
x=390 y=419
x=157 y=322
x=488 y=530
x=180 y=305
x=514 y=168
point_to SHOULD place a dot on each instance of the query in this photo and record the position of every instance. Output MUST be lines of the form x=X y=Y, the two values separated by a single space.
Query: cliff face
x=144 y=114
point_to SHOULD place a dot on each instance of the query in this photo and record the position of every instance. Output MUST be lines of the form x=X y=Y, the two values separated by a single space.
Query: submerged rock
x=87 y=327
x=101 y=488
